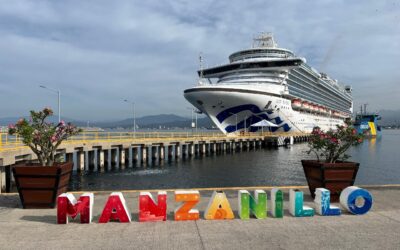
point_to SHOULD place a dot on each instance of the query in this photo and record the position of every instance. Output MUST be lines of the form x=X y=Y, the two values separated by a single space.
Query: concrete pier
x=107 y=154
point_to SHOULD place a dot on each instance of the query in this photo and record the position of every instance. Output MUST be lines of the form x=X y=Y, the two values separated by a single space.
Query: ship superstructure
x=269 y=83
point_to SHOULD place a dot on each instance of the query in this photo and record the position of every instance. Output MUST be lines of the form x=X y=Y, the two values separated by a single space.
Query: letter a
x=296 y=204
x=218 y=207
x=190 y=199
x=115 y=209
x=149 y=211
x=68 y=205
x=323 y=203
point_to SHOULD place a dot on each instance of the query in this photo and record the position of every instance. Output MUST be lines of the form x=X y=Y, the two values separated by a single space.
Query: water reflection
x=379 y=164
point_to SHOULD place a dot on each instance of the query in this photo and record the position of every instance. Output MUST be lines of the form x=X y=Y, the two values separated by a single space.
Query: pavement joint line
x=198 y=232
x=388 y=217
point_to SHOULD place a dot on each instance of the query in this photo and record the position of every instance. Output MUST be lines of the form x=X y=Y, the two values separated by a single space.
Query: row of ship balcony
x=298 y=104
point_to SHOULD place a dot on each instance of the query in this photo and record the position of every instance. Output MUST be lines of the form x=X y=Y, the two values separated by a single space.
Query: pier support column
x=214 y=147
x=135 y=154
x=154 y=153
x=128 y=157
x=114 y=157
x=203 y=149
x=254 y=145
x=122 y=157
x=184 y=150
x=92 y=160
x=80 y=160
x=224 y=147
x=170 y=148
x=161 y=150
x=241 y=145
x=3 y=179
x=191 y=150
x=100 y=155
x=144 y=155
x=177 y=151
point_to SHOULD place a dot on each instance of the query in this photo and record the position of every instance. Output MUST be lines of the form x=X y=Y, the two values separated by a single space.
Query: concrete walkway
x=36 y=229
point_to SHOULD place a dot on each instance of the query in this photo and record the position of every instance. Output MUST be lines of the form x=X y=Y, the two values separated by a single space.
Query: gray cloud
x=101 y=52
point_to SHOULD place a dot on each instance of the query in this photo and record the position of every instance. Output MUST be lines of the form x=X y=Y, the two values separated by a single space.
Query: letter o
x=349 y=196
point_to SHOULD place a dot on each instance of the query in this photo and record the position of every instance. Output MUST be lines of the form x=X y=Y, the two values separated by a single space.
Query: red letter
x=68 y=205
x=149 y=211
x=115 y=209
x=190 y=199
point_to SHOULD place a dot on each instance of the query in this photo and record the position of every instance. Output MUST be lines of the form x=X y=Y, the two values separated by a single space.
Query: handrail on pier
x=9 y=142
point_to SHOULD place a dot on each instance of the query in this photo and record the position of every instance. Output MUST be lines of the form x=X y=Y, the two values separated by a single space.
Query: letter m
x=67 y=205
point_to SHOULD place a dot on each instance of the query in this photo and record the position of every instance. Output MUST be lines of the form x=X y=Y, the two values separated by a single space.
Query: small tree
x=333 y=144
x=41 y=136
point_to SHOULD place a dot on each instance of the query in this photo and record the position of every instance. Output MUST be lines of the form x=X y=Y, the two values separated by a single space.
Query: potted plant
x=331 y=170
x=39 y=184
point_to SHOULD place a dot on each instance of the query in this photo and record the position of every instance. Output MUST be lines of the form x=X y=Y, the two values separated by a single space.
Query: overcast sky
x=101 y=52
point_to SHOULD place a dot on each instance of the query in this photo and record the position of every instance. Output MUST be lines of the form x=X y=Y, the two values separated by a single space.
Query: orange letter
x=218 y=208
x=190 y=199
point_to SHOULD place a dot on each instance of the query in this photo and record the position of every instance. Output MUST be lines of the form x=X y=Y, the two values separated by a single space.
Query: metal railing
x=9 y=142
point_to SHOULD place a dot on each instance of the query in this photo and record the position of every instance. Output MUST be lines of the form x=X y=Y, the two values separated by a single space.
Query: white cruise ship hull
x=235 y=108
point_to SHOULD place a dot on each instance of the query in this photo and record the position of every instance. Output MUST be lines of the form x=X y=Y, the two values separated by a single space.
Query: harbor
x=199 y=125
x=99 y=151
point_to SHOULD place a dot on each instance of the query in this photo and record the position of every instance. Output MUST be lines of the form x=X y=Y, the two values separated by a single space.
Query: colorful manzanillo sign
x=218 y=207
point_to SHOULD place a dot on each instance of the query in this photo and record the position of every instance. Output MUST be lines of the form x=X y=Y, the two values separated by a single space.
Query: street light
x=193 y=123
x=59 y=97
x=134 y=116
x=236 y=120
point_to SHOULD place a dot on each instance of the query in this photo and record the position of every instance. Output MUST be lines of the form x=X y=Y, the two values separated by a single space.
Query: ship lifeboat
x=306 y=105
x=296 y=103
x=314 y=107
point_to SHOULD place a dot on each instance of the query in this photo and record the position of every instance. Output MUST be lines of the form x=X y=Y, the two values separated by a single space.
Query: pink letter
x=149 y=211
x=68 y=205
x=115 y=209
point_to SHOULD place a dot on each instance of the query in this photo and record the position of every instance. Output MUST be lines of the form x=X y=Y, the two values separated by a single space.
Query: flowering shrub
x=42 y=137
x=333 y=144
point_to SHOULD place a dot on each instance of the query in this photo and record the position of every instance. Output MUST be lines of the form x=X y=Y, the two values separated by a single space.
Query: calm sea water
x=379 y=164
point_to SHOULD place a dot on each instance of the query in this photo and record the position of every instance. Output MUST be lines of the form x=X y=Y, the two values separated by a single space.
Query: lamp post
x=59 y=101
x=134 y=116
x=236 y=120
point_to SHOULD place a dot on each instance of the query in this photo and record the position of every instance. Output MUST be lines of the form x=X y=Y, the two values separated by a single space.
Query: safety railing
x=10 y=142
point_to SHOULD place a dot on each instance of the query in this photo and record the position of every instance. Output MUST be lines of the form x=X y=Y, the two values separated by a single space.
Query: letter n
x=149 y=211
x=115 y=209
x=67 y=205
x=257 y=205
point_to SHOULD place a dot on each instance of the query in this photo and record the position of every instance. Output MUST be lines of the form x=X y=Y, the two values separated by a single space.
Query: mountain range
x=152 y=121
x=389 y=118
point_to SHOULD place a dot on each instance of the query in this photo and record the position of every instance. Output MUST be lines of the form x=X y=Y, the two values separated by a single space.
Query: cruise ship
x=270 y=84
